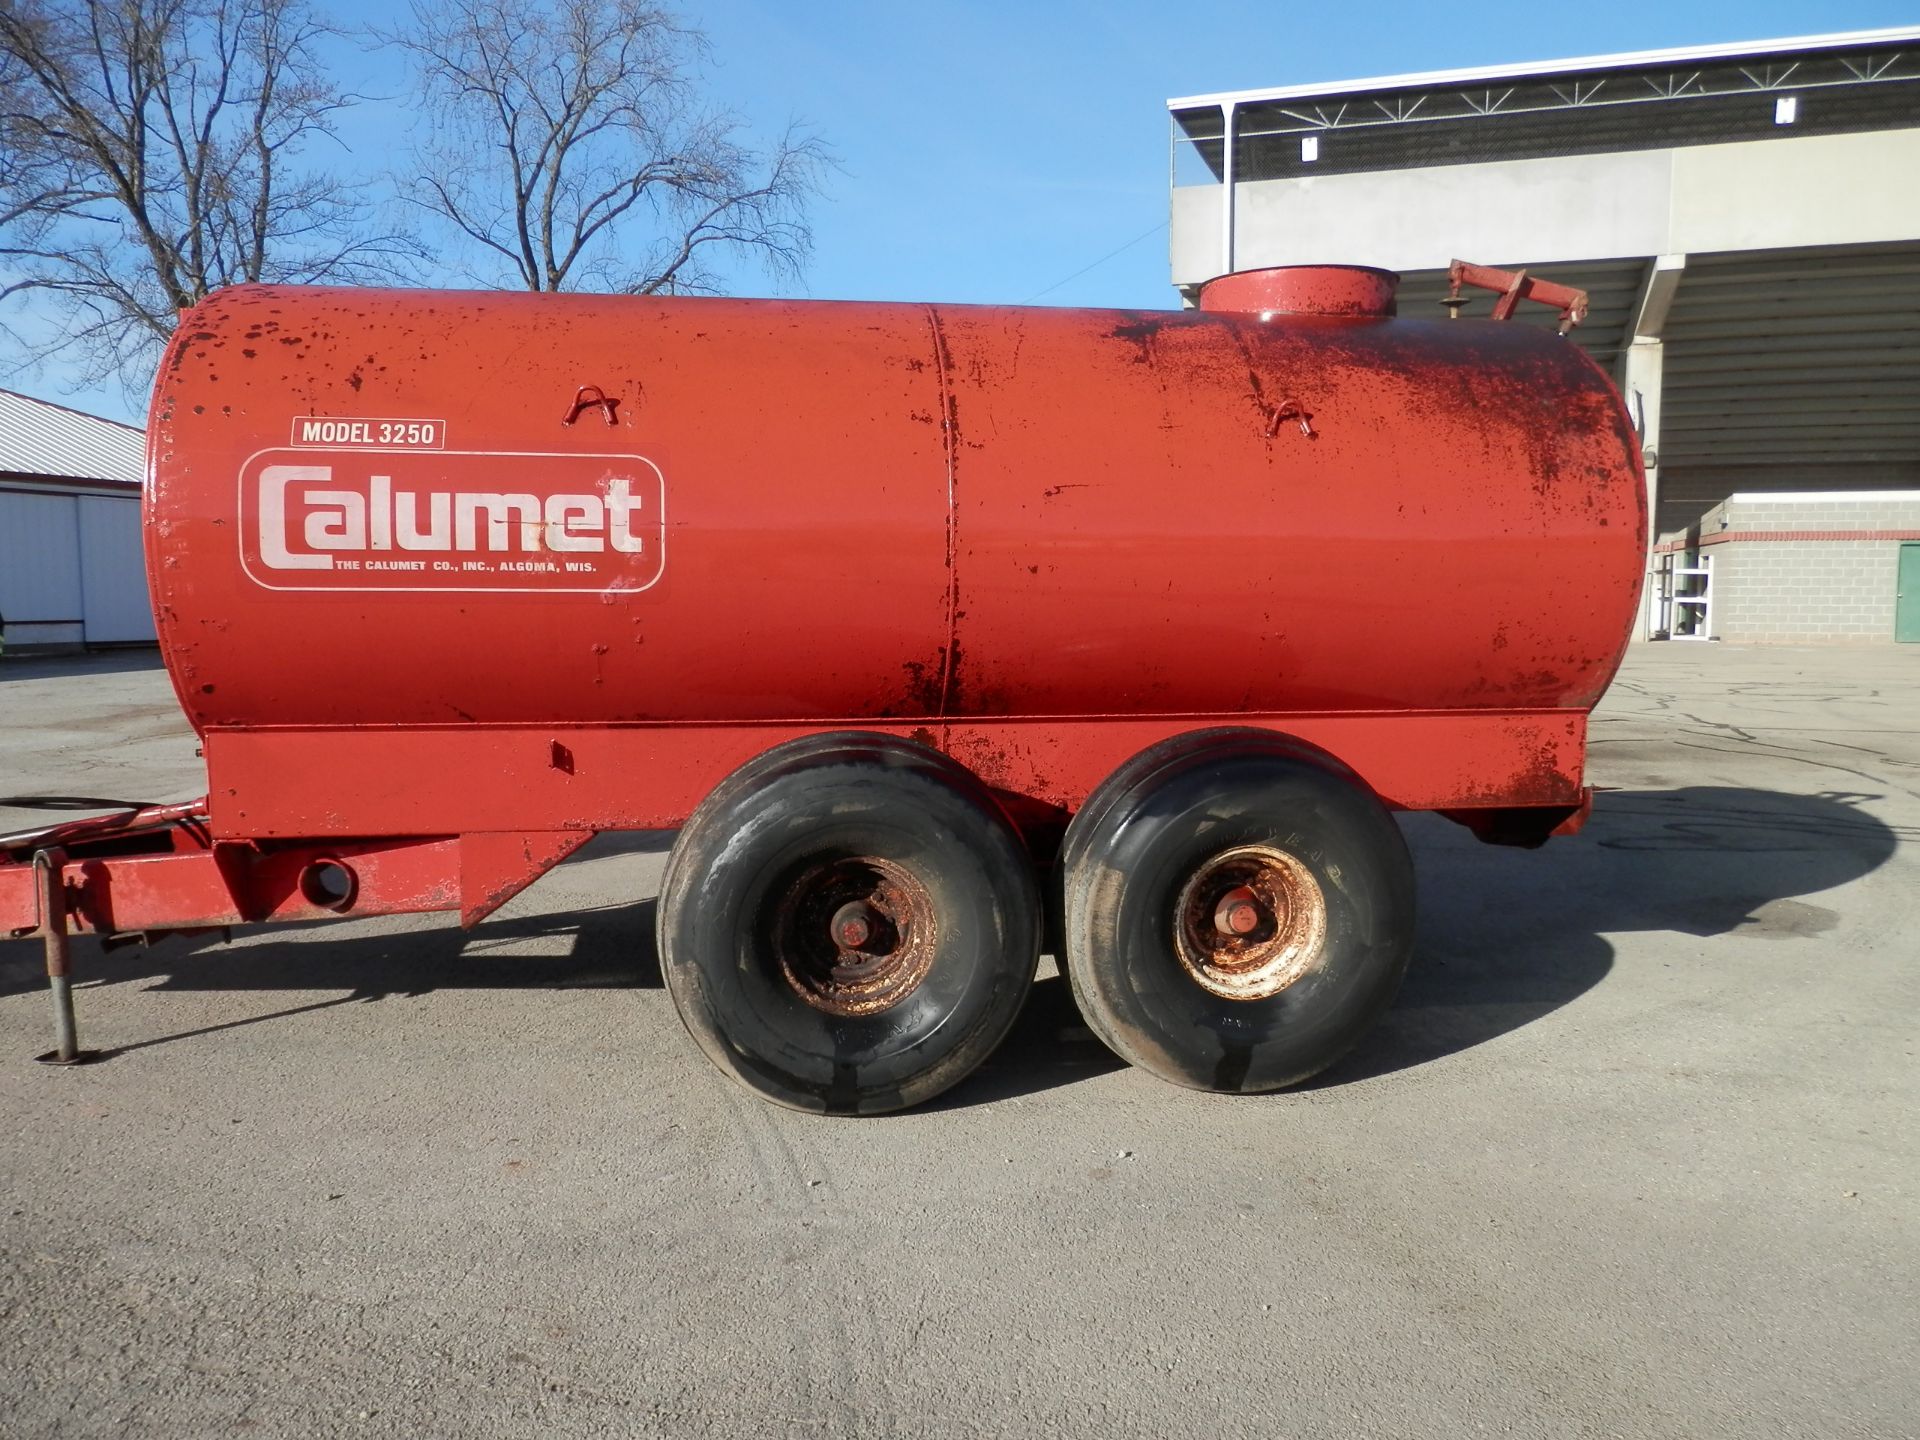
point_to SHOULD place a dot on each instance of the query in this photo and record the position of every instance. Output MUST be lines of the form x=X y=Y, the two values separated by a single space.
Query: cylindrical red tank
x=399 y=508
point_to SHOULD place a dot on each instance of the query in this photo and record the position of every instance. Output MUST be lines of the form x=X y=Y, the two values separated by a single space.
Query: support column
x=1642 y=365
x=1227 y=182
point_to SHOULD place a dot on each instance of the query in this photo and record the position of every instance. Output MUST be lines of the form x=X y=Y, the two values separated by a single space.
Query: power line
x=1096 y=264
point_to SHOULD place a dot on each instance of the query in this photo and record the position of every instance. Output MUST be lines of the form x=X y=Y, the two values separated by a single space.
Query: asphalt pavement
x=1633 y=1155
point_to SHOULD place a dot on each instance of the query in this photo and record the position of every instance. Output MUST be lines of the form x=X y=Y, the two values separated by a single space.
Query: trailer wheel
x=1238 y=911
x=849 y=924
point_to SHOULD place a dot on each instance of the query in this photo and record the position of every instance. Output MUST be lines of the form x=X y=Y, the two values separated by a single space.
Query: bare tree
x=149 y=153
x=570 y=141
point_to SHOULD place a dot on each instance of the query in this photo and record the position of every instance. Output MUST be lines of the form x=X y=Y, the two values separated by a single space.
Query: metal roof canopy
x=1628 y=60
x=1648 y=99
x=39 y=439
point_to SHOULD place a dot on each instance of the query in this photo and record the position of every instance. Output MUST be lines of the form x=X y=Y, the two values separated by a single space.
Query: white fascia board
x=1820 y=497
x=1631 y=60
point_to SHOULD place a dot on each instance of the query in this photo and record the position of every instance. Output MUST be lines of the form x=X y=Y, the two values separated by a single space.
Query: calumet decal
x=451 y=520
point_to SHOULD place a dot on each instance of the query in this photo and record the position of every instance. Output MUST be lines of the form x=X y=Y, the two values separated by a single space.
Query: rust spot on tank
x=953 y=695
x=924 y=682
x=1538 y=780
x=1139 y=330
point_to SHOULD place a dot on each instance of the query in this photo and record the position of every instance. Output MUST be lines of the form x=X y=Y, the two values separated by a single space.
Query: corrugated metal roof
x=1794 y=358
x=1585 y=64
x=41 y=438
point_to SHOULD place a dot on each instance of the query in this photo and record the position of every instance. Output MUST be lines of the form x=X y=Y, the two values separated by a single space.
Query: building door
x=1906 y=605
x=113 y=571
x=40 y=597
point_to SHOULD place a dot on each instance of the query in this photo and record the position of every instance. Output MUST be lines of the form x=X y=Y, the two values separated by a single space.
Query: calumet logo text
x=452 y=521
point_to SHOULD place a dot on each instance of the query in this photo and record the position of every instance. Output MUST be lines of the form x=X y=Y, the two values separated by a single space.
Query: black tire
x=1256 y=818
x=758 y=882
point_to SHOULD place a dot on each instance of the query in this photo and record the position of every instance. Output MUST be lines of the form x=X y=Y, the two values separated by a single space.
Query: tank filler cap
x=1357 y=292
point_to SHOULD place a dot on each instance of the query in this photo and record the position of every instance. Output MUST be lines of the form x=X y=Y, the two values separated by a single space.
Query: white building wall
x=113 y=571
x=40 y=598
x=1760 y=194
x=1784 y=194
x=72 y=571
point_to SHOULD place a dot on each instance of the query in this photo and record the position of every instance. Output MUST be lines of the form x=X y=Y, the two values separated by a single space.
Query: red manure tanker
x=916 y=621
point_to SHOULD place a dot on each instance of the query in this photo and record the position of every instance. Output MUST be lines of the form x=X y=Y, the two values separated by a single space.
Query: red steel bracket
x=1513 y=286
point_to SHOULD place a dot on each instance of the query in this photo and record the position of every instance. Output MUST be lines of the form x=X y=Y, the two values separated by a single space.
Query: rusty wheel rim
x=854 y=936
x=1250 y=922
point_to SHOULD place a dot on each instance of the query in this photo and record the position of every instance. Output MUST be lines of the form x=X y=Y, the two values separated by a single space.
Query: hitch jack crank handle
x=48 y=866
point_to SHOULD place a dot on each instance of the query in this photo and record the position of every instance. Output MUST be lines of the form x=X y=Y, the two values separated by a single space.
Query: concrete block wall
x=1833 y=581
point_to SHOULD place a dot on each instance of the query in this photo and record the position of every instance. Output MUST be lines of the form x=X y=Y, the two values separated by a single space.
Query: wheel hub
x=1250 y=922
x=854 y=936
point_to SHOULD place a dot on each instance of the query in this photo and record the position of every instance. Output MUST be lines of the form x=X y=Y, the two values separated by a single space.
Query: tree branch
x=580 y=132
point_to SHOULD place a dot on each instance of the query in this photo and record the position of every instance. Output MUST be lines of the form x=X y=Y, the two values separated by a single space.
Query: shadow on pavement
x=16 y=666
x=1049 y=1046
x=1507 y=936
x=1504 y=937
x=612 y=949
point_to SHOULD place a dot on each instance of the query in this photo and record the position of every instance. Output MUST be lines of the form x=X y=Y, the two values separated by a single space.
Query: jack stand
x=47 y=873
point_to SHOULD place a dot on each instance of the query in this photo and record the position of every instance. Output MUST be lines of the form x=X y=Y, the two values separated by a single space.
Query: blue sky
x=992 y=150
